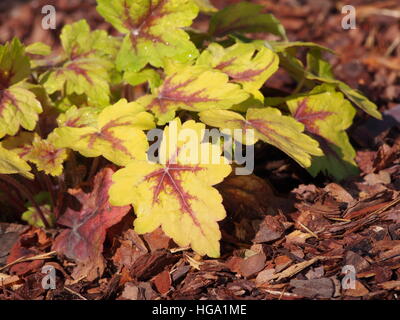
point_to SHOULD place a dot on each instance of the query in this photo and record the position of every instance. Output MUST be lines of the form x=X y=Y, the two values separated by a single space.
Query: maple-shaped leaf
x=177 y=192
x=85 y=68
x=11 y=163
x=87 y=220
x=268 y=125
x=18 y=106
x=326 y=115
x=77 y=40
x=153 y=30
x=193 y=88
x=244 y=17
x=78 y=118
x=42 y=152
x=117 y=133
x=245 y=63
x=46 y=155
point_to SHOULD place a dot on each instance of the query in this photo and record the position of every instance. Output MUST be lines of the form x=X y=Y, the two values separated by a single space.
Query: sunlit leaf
x=153 y=30
x=326 y=115
x=78 y=118
x=117 y=133
x=42 y=152
x=175 y=193
x=192 y=88
x=270 y=126
x=14 y=64
x=147 y=75
x=11 y=163
x=244 y=63
x=18 y=108
x=38 y=48
x=87 y=64
x=77 y=40
x=205 y=6
x=46 y=156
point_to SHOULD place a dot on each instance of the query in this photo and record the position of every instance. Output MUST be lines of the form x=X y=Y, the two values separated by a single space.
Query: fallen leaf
x=252 y=265
x=9 y=234
x=83 y=240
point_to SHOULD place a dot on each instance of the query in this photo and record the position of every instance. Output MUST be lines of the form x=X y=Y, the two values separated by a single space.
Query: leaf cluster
x=99 y=97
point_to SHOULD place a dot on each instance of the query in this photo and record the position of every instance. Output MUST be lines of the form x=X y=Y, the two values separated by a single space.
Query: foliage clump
x=57 y=110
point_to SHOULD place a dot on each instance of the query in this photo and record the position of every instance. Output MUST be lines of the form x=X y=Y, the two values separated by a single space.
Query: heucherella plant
x=97 y=103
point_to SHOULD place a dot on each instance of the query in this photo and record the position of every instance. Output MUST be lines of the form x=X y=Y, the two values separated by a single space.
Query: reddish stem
x=25 y=191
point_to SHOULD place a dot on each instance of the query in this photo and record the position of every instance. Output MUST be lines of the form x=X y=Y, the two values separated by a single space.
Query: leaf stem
x=93 y=167
x=49 y=187
x=25 y=191
x=14 y=200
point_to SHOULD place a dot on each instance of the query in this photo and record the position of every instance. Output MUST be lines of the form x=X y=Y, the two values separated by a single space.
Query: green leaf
x=270 y=126
x=147 y=75
x=32 y=217
x=317 y=65
x=14 y=64
x=320 y=70
x=38 y=48
x=360 y=100
x=87 y=76
x=193 y=88
x=244 y=63
x=326 y=115
x=153 y=30
x=282 y=46
x=117 y=133
x=244 y=17
x=87 y=65
x=77 y=40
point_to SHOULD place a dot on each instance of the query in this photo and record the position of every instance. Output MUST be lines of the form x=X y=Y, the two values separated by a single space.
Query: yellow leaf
x=176 y=193
x=117 y=133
